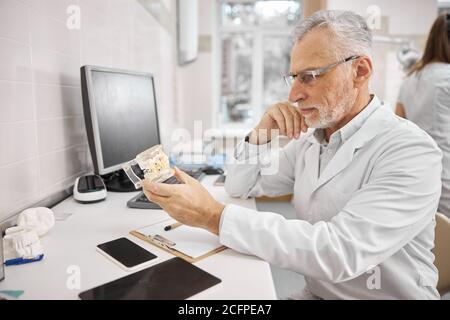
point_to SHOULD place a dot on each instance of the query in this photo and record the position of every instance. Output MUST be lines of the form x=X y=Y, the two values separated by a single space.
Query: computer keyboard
x=141 y=202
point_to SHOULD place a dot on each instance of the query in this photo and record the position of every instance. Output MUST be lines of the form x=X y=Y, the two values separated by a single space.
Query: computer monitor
x=121 y=119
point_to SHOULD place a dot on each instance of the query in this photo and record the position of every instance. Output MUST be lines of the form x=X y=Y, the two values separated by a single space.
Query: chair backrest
x=442 y=252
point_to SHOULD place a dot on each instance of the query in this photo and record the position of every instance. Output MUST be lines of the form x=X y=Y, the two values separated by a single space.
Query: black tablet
x=174 y=279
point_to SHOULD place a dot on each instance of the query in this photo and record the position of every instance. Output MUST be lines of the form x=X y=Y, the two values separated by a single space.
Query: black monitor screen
x=126 y=114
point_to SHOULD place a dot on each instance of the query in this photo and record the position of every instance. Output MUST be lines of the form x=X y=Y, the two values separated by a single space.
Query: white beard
x=329 y=117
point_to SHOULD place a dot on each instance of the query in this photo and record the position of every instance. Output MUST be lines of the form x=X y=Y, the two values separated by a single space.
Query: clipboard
x=189 y=243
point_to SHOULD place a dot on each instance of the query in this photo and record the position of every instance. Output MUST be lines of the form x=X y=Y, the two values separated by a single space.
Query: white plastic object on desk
x=88 y=196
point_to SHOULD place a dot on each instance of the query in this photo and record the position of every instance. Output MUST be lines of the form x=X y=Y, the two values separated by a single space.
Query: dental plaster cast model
x=40 y=219
x=153 y=162
x=22 y=244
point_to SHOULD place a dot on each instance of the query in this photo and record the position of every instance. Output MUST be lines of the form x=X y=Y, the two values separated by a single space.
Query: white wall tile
x=121 y=23
x=96 y=39
x=50 y=34
x=63 y=184
x=96 y=22
x=97 y=7
x=54 y=134
x=146 y=48
x=96 y=53
x=56 y=9
x=17 y=141
x=18 y=185
x=16 y=101
x=121 y=58
x=57 y=166
x=41 y=114
x=55 y=101
x=14 y=22
x=51 y=67
x=15 y=61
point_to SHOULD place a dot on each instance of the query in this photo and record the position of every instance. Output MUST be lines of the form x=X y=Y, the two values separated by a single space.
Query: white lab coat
x=426 y=99
x=365 y=228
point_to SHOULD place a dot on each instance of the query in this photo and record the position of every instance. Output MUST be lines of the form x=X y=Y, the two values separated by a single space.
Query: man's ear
x=362 y=71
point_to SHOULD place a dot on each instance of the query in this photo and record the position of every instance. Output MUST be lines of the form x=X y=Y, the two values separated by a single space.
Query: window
x=255 y=44
x=444 y=6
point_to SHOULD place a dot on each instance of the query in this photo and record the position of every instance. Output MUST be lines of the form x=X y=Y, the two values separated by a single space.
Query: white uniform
x=426 y=99
x=365 y=226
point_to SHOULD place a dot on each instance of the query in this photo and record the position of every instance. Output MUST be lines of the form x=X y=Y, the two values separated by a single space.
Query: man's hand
x=189 y=203
x=283 y=117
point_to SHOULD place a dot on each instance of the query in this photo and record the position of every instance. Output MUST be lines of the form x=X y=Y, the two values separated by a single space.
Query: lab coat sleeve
x=259 y=171
x=442 y=124
x=401 y=94
x=400 y=200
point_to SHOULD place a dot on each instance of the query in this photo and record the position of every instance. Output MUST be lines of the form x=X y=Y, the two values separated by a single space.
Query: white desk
x=73 y=242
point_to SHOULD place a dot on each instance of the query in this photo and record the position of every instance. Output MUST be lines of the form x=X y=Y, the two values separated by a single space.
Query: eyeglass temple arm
x=318 y=72
x=351 y=58
x=325 y=69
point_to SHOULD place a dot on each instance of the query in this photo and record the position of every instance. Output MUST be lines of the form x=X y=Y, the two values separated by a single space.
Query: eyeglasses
x=307 y=77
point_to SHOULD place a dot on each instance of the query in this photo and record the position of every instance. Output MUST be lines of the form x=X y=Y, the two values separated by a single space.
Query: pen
x=172 y=226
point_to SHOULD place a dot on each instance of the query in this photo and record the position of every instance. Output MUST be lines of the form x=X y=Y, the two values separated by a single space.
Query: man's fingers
x=155 y=198
x=183 y=176
x=279 y=119
x=289 y=121
x=160 y=189
x=297 y=122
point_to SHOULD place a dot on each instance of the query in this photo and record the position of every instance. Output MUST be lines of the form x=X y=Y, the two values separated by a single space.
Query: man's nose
x=297 y=93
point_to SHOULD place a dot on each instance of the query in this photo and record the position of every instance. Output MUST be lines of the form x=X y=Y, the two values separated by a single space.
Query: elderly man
x=366 y=183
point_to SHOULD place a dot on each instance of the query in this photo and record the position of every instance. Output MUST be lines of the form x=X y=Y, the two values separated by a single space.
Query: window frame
x=258 y=33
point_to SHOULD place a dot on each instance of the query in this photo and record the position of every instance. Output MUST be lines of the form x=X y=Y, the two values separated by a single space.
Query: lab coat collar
x=314 y=136
x=344 y=156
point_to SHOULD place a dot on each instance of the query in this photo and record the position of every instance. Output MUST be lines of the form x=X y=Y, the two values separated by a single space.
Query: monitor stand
x=118 y=181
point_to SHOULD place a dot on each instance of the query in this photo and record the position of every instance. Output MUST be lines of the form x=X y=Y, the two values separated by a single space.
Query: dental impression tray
x=153 y=162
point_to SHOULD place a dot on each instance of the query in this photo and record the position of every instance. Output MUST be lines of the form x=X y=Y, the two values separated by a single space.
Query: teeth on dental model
x=153 y=162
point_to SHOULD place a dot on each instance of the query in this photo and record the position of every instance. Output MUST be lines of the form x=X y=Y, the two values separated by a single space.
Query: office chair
x=442 y=252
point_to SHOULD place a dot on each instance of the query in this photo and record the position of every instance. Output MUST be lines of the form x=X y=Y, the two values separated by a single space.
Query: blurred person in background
x=425 y=97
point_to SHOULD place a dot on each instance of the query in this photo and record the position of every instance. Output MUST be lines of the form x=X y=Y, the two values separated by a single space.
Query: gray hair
x=353 y=34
